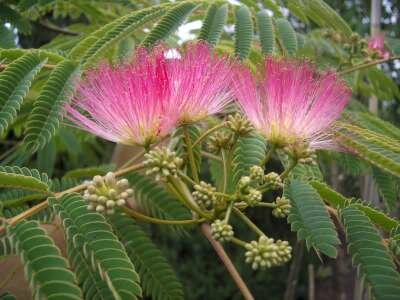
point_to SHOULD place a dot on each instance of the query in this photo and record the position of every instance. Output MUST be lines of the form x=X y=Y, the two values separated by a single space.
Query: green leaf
x=169 y=23
x=6 y=247
x=325 y=16
x=7 y=38
x=243 y=32
x=90 y=171
x=370 y=255
x=375 y=148
x=9 y=15
x=159 y=280
x=45 y=269
x=23 y=178
x=107 y=36
x=157 y=202
x=48 y=108
x=248 y=151
x=213 y=24
x=266 y=32
x=178 y=143
x=47 y=157
x=387 y=187
x=286 y=35
x=15 y=82
x=93 y=236
x=337 y=200
x=310 y=219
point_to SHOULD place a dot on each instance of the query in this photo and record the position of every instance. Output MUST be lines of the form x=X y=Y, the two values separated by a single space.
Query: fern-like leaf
x=309 y=218
x=169 y=23
x=15 y=82
x=158 y=278
x=213 y=24
x=370 y=255
x=387 y=187
x=6 y=247
x=46 y=270
x=119 y=30
x=243 y=32
x=90 y=171
x=93 y=236
x=286 y=35
x=337 y=200
x=266 y=32
x=23 y=178
x=47 y=111
x=157 y=202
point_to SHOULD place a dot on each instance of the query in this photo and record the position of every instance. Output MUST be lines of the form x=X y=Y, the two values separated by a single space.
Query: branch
x=206 y=230
x=369 y=64
x=55 y=28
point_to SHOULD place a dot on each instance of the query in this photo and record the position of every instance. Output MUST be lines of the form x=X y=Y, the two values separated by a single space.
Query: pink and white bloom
x=201 y=83
x=291 y=103
x=141 y=102
x=377 y=43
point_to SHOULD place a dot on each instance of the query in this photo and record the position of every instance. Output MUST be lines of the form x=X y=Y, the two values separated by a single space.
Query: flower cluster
x=162 y=162
x=141 y=102
x=105 y=193
x=204 y=194
x=377 y=44
x=221 y=231
x=266 y=253
x=282 y=208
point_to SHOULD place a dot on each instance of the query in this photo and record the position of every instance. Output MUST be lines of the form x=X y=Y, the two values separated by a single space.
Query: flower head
x=127 y=104
x=200 y=83
x=292 y=104
x=141 y=102
x=377 y=43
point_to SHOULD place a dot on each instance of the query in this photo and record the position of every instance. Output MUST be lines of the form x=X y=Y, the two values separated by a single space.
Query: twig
x=207 y=133
x=206 y=230
x=55 y=28
x=311 y=282
x=369 y=64
x=190 y=153
x=248 y=221
x=294 y=271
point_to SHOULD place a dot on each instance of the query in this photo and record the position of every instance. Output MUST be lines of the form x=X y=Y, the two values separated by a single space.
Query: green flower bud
x=204 y=194
x=221 y=231
x=162 y=162
x=253 y=197
x=240 y=125
x=282 y=208
x=265 y=253
x=219 y=140
x=257 y=174
x=273 y=180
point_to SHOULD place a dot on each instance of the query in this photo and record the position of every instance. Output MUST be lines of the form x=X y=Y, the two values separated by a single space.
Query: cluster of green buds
x=219 y=140
x=257 y=174
x=239 y=125
x=221 y=231
x=302 y=153
x=104 y=193
x=266 y=253
x=204 y=194
x=282 y=208
x=273 y=181
x=162 y=162
x=247 y=193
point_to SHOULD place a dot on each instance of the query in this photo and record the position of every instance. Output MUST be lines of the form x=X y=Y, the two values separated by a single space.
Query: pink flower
x=292 y=104
x=200 y=83
x=377 y=43
x=141 y=102
x=128 y=104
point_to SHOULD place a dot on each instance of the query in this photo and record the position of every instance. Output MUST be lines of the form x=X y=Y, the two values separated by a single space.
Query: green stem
x=184 y=197
x=268 y=155
x=287 y=171
x=228 y=212
x=248 y=221
x=211 y=156
x=134 y=158
x=139 y=216
x=369 y=64
x=267 y=204
x=187 y=178
x=23 y=200
x=226 y=196
x=207 y=133
x=189 y=149
x=238 y=242
x=225 y=173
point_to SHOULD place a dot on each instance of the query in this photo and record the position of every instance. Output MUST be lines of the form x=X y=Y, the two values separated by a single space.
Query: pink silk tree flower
x=200 y=83
x=292 y=104
x=377 y=43
x=129 y=104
